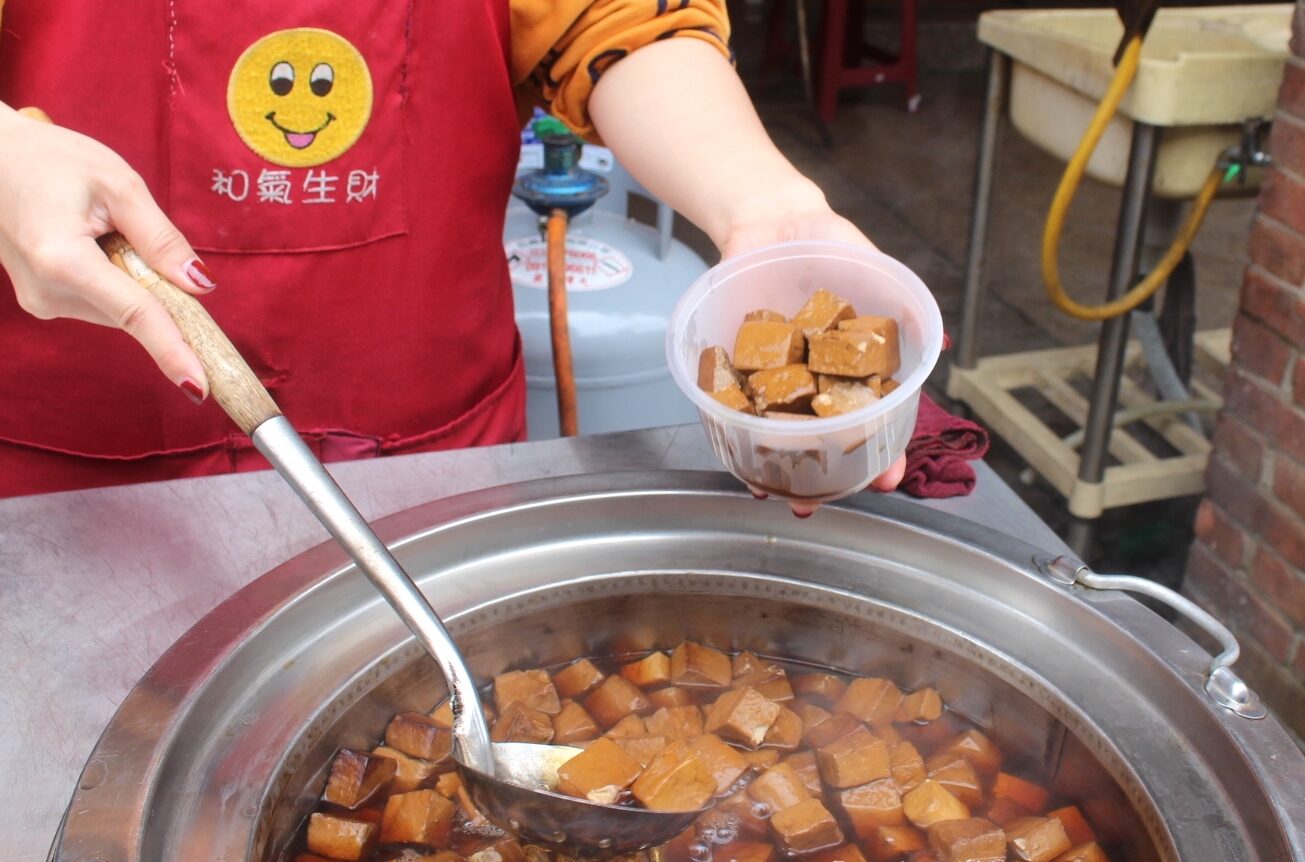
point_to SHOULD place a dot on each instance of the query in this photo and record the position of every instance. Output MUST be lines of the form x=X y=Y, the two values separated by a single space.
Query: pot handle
x=1222 y=684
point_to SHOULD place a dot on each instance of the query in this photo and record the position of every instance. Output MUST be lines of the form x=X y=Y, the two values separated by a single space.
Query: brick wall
x=1248 y=562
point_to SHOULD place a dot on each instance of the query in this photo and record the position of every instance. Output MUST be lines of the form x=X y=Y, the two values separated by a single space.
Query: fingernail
x=192 y=390
x=759 y=495
x=199 y=274
x=804 y=514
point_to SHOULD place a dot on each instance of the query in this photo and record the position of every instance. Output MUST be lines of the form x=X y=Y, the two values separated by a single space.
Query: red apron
x=342 y=167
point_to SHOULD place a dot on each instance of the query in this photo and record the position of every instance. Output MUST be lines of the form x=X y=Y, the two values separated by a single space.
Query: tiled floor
x=906 y=180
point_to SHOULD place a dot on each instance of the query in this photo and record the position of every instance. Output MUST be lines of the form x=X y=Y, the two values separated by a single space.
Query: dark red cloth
x=939 y=449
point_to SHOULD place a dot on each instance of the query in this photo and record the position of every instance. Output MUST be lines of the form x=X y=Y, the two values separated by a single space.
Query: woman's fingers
x=893 y=477
x=137 y=217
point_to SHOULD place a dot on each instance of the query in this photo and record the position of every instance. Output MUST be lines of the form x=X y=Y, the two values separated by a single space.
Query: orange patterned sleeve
x=560 y=48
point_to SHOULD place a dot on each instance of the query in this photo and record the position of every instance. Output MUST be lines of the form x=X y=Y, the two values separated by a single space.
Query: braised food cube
x=578 y=678
x=1076 y=825
x=1026 y=793
x=852 y=354
x=418 y=735
x=505 y=849
x=738 y=813
x=765 y=314
x=804 y=764
x=931 y=803
x=442 y=715
x=883 y=334
x=786 y=733
x=675 y=722
x=889 y=386
x=978 y=749
x=642 y=748
x=954 y=772
x=888 y=843
x=340 y=837
x=769 y=680
x=1036 y=839
x=842 y=853
x=970 y=840
x=744 y=851
x=735 y=398
x=746 y=662
x=676 y=780
x=599 y=773
x=907 y=765
x=842 y=398
x=409 y=772
x=831 y=730
x=1004 y=811
x=631 y=725
x=788 y=388
x=614 y=699
x=806 y=827
x=447 y=784
x=779 y=787
x=697 y=666
x=1086 y=852
x=767 y=344
x=871 y=700
x=762 y=758
x=920 y=706
x=715 y=371
x=742 y=715
x=872 y=805
x=653 y=669
x=520 y=723
x=855 y=759
x=822 y=687
x=670 y=696
x=356 y=776
x=418 y=817
x=885 y=326
x=573 y=724
x=530 y=688
x=811 y=716
x=822 y=312
x=726 y=764
x=785 y=416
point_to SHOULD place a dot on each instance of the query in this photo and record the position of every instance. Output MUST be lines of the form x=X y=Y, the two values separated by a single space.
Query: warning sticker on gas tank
x=590 y=264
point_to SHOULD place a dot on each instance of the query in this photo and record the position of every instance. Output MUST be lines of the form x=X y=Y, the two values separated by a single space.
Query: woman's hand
x=59 y=191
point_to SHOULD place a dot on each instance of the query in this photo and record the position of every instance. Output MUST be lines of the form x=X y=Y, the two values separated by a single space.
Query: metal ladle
x=510 y=782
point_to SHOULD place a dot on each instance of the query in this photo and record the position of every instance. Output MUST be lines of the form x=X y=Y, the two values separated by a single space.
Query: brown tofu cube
x=871 y=700
x=770 y=681
x=1004 y=811
x=573 y=724
x=931 y=803
x=767 y=344
x=1076 y=825
x=578 y=678
x=743 y=716
x=726 y=764
x=822 y=312
x=530 y=688
x=738 y=813
x=978 y=749
x=786 y=733
x=873 y=382
x=804 y=764
x=957 y=774
x=409 y=772
x=831 y=730
x=855 y=759
x=735 y=399
x=919 y=706
x=787 y=389
x=746 y=662
x=779 y=787
x=675 y=722
x=889 y=734
x=642 y=748
x=1036 y=839
x=744 y=851
x=762 y=758
x=670 y=696
x=888 y=843
x=886 y=327
x=806 y=827
x=356 y=776
x=842 y=853
x=766 y=314
x=614 y=699
x=418 y=817
x=696 y=666
x=652 y=669
x=822 y=688
x=1087 y=852
x=811 y=715
x=676 y=780
x=970 y=840
x=852 y=354
x=1026 y=793
x=340 y=837
x=520 y=723
x=842 y=398
x=872 y=805
x=715 y=371
x=447 y=784
x=418 y=735
x=631 y=725
x=600 y=773
x=907 y=765
x=505 y=849
x=785 y=416
x=442 y=715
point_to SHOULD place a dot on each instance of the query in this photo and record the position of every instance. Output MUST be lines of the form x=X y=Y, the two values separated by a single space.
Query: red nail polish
x=200 y=274
x=802 y=515
x=192 y=390
x=759 y=495
x=947 y=342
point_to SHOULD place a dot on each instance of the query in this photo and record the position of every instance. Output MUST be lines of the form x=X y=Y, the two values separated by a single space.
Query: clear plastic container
x=817 y=459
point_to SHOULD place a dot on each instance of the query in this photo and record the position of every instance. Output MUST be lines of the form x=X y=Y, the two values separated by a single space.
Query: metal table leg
x=1114 y=332
x=967 y=347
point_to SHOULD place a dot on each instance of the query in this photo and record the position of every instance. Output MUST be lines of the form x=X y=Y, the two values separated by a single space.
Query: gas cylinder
x=623 y=279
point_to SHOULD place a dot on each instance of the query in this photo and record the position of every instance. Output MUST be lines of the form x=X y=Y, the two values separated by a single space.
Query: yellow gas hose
x=1124 y=74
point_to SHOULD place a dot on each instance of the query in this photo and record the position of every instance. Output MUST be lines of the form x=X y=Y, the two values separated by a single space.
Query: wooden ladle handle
x=231 y=381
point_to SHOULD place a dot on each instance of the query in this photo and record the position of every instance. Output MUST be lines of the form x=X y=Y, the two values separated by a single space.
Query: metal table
x=95 y=585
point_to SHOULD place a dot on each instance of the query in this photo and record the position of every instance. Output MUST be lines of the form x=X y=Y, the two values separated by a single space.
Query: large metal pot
x=220 y=750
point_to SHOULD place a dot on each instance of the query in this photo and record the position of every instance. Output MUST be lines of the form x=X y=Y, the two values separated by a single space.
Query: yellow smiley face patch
x=300 y=97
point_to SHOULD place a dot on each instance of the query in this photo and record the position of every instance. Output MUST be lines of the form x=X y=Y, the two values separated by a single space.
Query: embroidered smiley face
x=300 y=97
